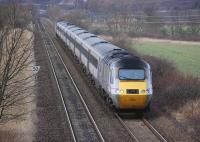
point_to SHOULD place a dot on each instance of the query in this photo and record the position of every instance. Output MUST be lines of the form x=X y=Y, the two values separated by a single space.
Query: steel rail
x=153 y=130
x=127 y=128
x=82 y=100
x=59 y=89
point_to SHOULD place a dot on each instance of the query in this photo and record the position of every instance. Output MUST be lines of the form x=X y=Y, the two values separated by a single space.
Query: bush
x=180 y=32
x=165 y=30
x=171 y=88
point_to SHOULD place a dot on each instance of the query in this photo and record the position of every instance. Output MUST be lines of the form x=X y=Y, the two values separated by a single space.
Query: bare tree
x=15 y=53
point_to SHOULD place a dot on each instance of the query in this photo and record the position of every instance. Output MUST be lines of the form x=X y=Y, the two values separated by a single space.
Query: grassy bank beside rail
x=185 y=55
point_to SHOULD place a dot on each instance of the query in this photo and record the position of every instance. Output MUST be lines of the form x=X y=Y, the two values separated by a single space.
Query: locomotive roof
x=131 y=61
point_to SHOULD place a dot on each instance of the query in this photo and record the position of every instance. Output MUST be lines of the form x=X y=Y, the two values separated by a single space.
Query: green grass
x=185 y=56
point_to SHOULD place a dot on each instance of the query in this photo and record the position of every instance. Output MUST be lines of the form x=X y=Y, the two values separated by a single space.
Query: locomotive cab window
x=131 y=74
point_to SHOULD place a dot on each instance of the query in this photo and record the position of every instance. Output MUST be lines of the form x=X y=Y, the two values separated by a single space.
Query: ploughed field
x=185 y=55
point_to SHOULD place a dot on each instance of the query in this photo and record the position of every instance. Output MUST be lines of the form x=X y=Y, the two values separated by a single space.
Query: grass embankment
x=185 y=55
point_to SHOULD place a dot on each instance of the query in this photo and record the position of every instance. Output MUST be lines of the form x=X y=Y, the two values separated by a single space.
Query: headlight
x=119 y=91
x=143 y=91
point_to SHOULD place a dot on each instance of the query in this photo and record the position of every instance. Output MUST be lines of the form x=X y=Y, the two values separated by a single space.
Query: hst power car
x=125 y=79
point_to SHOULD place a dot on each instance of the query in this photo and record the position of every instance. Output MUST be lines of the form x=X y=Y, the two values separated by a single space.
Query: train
x=123 y=78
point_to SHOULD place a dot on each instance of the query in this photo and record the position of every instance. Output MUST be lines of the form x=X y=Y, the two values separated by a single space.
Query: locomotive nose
x=134 y=95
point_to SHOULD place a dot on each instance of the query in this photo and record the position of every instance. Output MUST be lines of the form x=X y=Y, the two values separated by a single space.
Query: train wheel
x=110 y=101
x=84 y=70
x=104 y=97
x=77 y=61
x=92 y=82
x=57 y=35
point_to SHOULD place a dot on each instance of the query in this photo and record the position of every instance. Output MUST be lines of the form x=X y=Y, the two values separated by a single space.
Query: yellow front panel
x=132 y=101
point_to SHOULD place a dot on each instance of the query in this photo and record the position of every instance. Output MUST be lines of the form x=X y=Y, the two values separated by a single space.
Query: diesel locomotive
x=125 y=79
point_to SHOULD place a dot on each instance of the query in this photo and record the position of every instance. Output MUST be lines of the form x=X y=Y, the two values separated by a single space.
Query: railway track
x=151 y=134
x=156 y=133
x=141 y=130
x=82 y=125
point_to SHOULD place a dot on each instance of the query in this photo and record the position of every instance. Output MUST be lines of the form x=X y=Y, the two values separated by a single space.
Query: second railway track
x=81 y=122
